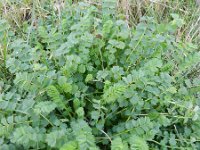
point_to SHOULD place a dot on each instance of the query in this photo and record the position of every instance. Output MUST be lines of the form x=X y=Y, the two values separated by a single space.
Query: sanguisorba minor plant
x=88 y=81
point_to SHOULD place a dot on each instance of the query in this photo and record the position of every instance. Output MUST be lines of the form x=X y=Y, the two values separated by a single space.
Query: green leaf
x=80 y=112
x=117 y=144
x=76 y=103
x=44 y=107
x=56 y=137
x=83 y=134
x=54 y=94
x=137 y=143
x=117 y=44
x=113 y=92
x=107 y=27
x=72 y=145
x=172 y=90
x=89 y=78
x=82 y=68
x=27 y=136
x=66 y=87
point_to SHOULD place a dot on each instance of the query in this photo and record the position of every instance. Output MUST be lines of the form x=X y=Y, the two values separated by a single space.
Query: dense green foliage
x=88 y=81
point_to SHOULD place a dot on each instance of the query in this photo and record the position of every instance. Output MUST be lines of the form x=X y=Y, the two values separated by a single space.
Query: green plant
x=89 y=81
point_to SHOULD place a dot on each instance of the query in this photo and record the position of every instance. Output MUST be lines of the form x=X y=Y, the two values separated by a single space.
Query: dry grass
x=161 y=10
x=22 y=11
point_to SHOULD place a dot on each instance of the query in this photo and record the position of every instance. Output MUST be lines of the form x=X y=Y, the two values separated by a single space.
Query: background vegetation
x=99 y=74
